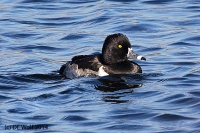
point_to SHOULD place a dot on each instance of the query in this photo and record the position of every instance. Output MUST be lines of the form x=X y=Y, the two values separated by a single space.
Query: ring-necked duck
x=113 y=60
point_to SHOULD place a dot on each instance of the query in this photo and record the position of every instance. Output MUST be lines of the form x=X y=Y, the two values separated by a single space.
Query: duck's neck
x=109 y=60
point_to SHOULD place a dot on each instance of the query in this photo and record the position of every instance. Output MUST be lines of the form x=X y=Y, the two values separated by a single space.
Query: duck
x=113 y=60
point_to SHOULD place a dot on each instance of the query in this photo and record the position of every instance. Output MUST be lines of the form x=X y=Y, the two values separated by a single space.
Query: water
x=37 y=37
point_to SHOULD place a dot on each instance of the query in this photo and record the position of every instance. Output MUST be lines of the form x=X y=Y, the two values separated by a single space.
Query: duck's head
x=117 y=48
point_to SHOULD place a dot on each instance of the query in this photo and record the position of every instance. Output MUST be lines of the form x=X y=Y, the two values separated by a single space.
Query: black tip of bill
x=143 y=58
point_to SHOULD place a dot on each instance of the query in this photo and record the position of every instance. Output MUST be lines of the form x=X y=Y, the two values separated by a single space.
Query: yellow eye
x=119 y=46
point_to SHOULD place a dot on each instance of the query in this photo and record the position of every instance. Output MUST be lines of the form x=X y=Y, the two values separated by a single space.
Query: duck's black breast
x=125 y=67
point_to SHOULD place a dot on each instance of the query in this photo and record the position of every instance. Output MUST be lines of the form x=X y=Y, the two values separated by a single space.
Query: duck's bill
x=133 y=55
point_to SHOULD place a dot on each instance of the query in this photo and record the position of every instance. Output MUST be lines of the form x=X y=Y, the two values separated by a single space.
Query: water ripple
x=172 y=117
x=158 y=1
x=74 y=118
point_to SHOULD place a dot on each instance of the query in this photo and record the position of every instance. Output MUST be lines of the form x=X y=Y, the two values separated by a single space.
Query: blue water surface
x=38 y=36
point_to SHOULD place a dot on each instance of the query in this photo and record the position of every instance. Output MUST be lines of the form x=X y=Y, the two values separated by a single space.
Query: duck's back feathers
x=81 y=65
x=80 y=57
x=92 y=62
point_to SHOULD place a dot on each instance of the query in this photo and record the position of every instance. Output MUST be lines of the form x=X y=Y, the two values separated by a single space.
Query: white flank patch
x=101 y=72
x=139 y=57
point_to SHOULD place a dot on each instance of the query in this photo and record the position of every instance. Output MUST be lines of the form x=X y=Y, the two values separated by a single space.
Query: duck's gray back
x=72 y=71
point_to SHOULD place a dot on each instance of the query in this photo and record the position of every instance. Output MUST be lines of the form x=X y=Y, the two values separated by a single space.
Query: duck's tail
x=62 y=69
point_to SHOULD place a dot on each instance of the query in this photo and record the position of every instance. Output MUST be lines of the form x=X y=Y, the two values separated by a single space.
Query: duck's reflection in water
x=117 y=87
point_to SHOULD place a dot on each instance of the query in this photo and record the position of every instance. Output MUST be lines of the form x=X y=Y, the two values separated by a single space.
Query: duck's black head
x=117 y=48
